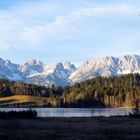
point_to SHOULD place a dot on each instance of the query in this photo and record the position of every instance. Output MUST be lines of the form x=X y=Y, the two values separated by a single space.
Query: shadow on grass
x=7 y=101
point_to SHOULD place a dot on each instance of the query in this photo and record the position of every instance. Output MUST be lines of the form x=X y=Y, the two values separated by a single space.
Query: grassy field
x=113 y=128
x=22 y=100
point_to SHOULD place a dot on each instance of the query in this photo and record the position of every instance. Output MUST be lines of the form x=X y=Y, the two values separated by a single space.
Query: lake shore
x=74 y=112
x=97 y=128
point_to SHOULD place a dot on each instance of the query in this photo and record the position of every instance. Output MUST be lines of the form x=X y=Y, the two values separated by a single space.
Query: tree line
x=120 y=91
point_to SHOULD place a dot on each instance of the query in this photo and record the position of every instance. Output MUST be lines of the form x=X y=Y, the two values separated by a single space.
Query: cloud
x=69 y=26
x=45 y=25
x=17 y=19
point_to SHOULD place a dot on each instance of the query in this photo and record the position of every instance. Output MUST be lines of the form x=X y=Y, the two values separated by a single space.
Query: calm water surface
x=75 y=112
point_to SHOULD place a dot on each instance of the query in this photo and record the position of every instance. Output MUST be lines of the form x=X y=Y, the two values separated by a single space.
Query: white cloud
x=35 y=24
x=68 y=26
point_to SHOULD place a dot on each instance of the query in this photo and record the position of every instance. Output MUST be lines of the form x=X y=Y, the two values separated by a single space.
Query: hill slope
x=120 y=91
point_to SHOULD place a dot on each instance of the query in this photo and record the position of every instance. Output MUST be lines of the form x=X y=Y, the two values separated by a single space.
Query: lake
x=75 y=112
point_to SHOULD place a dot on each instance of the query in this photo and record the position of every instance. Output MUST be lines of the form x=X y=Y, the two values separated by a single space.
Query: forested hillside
x=120 y=91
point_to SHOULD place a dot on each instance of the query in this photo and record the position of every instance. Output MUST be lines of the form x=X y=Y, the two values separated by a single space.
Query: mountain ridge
x=107 y=66
x=64 y=73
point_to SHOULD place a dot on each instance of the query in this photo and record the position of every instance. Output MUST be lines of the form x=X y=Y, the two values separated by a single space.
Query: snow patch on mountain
x=105 y=67
x=57 y=75
x=65 y=73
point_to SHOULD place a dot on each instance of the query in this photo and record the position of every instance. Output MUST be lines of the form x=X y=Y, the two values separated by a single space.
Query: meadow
x=101 y=128
x=22 y=101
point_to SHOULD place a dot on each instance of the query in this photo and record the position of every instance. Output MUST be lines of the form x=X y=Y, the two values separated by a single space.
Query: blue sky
x=73 y=30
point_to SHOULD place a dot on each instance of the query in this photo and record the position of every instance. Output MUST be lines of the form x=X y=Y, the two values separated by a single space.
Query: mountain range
x=65 y=73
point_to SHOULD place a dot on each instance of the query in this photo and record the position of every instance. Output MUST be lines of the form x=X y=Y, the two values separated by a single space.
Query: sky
x=72 y=30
